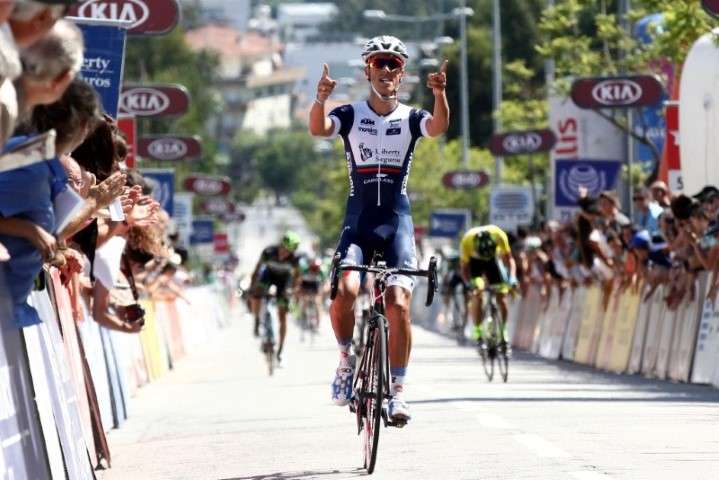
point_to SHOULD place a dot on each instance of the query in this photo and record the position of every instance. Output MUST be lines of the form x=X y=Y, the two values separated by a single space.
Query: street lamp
x=460 y=13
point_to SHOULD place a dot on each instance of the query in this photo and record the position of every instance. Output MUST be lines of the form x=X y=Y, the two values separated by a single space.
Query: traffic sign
x=154 y=100
x=522 y=142
x=208 y=185
x=617 y=92
x=465 y=179
x=169 y=147
x=146 y=17
x=511 y=206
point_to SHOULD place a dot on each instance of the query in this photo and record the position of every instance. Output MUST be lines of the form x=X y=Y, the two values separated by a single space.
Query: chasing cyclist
x=379 y=136
x=309 y=290
x=485 y=253
x=452 y=279
x=278 y=266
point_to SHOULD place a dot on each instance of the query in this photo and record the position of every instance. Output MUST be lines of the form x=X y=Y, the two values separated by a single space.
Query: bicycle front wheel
x=374 y=396
x=487 y=350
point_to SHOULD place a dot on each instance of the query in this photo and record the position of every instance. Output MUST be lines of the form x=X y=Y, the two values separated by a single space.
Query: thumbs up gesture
x=326 y=85
x=438 y=81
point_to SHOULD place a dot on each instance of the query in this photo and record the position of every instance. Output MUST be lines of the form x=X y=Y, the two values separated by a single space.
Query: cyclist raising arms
x=485 y=253
x=379 y=136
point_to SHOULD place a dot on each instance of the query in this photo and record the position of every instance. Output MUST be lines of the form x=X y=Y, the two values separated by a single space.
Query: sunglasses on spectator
x=380 y=63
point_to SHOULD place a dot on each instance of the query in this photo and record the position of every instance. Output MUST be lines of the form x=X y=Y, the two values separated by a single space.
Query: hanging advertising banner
x=522 y=142
x=448 y=223
x=154 y=100
x=162 y=181
x=674 y=167
x=594 y=175
x=511 y=206
x=128 y=126
x=207 y=185
x=650 y=121
x=218 y=206
x=617 y=92
x=182 y=215
x=104 y=59
x=582 y=135
x=145 y=17
x=465 y=179
x=699 y=115
x=711 y=7
x=169 y=147
x=221 y=243
x=203 y=231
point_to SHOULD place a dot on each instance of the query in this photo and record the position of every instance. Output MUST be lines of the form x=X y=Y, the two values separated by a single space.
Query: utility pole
x=464 y=85
x=497 y=67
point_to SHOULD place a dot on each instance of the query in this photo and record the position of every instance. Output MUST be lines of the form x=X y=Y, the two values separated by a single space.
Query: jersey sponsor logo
x=371 y=131
x=366 y=121
x=365 y=153
x=394 y=131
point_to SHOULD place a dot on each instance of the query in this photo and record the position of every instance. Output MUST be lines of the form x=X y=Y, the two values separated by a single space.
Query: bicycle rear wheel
x=502 y=351
x=374 y=395
x=460 y=316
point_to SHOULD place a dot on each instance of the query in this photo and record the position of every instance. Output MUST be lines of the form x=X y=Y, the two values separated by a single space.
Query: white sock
x=397 y=386
x=344 y=353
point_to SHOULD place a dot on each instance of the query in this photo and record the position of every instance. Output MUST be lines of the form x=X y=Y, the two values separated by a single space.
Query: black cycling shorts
x=310 y=286
x=281 y=282
x=491 y=269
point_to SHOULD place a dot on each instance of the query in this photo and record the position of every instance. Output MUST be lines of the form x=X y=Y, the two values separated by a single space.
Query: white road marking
x=540 y=446
x=588 y=475
x=491 y=420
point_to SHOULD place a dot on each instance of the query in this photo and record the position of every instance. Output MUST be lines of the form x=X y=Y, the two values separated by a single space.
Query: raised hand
x=109 y=189
x=437 y=81
x=326 y=85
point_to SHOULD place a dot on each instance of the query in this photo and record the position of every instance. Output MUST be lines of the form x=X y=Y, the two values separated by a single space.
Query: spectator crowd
x=670 y=239
x=67 y=199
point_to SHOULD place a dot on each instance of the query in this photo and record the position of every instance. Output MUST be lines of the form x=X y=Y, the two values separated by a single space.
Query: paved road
x=219 y=416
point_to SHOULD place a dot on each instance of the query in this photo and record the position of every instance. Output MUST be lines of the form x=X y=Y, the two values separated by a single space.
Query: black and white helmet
x=385 y=44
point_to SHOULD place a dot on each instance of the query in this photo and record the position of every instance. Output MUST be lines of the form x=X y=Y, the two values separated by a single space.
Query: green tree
x=168 y=59
x=587 y=38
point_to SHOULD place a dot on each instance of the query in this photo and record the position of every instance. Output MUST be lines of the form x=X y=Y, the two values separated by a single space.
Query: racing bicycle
x=371 y=382
x=268 y=319
x=495 y=347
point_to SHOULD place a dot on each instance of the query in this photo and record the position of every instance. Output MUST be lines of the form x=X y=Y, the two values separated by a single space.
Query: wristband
x=317 y=100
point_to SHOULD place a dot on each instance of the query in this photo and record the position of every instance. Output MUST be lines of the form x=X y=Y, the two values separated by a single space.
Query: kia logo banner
x=208 y=185
x=218 y=206
x=169 y=147
x=524 y=142
x=146 y=17
x=465 y=179
x=154 y=100
x=711 y=7
x=617 y=92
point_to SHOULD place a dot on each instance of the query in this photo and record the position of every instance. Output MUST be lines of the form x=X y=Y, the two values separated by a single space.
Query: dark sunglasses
x=381 y=62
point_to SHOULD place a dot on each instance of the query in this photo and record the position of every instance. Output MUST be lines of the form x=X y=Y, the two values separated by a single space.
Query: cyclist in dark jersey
x=278 y=266
x=379 y=136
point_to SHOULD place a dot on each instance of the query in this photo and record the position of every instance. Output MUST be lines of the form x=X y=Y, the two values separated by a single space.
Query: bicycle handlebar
x=430 y=274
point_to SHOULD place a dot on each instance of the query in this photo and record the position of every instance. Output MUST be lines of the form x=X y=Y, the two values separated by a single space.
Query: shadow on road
x=305 y=475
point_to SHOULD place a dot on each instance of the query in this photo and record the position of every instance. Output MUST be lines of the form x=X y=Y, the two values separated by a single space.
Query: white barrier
x=574 y=322
x=707 y=345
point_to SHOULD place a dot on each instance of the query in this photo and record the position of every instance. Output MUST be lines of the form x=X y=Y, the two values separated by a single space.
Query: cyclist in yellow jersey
x=485 y=253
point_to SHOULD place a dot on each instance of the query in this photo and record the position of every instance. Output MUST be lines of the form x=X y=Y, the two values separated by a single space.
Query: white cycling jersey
x=379 y=151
